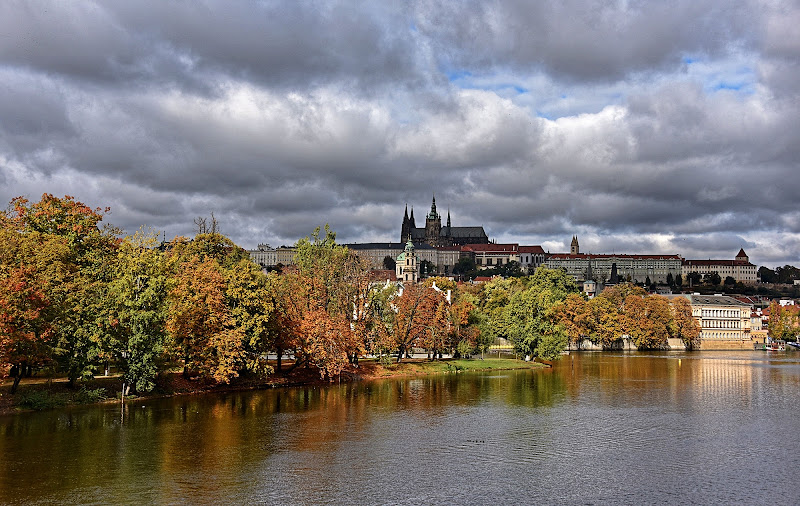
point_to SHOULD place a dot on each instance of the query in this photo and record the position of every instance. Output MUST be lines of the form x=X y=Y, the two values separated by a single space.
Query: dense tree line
x=76 y=298
x=628 y=311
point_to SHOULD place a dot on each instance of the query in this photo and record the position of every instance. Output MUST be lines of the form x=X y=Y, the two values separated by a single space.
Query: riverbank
x=49 y=393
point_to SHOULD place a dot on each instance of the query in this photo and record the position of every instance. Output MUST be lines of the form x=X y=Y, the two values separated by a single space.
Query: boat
x=771 y=345
x=795 y=345
x=775 y=346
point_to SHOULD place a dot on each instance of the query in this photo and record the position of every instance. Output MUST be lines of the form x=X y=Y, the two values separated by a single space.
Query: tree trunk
x=17 y=379
x=278 y=365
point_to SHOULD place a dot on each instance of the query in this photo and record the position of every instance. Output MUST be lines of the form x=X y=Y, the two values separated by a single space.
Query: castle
x=434 y=234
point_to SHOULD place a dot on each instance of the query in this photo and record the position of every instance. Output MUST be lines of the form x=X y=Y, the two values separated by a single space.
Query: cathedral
x=434 y=234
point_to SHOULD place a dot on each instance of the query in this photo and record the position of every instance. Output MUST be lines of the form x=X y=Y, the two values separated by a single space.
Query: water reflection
x=598 y=427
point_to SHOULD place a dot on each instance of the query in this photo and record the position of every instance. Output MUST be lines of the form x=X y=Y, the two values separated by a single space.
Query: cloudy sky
x=641 y=127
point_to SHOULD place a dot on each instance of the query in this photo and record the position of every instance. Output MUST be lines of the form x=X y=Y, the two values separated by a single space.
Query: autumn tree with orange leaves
x=200 y=325
x=686 y=327
x=79 y=298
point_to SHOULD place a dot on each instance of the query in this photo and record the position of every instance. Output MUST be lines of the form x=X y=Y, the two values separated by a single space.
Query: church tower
x=406 y=264
x=405 y=230
x=433 y=225
x=574 y=249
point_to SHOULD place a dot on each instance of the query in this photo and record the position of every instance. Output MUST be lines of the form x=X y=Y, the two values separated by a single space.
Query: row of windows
x=722 y=324
x=721 y=335
x=721 y=313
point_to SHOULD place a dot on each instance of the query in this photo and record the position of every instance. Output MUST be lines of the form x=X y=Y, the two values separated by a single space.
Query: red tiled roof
x=588 y=256
x=382 y=275
x=499 y=248
x=729 y=263
x=531 y=249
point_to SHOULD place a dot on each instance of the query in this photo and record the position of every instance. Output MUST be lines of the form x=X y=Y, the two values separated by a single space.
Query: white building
x=264 y=255
x=406 y=268
x=720 y=317
x=635 y=268
x=739 y=269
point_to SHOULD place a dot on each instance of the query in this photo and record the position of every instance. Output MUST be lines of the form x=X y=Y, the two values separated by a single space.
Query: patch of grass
x=421 y=367
x=39 y=400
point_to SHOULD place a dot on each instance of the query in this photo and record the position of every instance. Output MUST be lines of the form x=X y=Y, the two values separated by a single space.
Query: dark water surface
x=599 y=428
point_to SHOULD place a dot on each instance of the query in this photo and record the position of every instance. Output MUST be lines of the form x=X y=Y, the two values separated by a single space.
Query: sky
x=641 y=127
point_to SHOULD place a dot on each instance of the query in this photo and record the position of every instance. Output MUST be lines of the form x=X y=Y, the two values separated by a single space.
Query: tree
x=712 y=278
x=80 y=298
x=730 y=281
x=604 y=322
x=786 y=274
x=532 y=316
x=766 y=274
x=24 y=325
x=415 y=317
x=201 y=328
x=466 y=268
x=33 y=267
x=647 y=321
x=678 y=280
x=138 y=295
x=670 y=279
x=783 y=321
x=426 y=268
x=573 y=315
x=694 y=278
x=389 y=263
x=685 y=326
x=251 y=307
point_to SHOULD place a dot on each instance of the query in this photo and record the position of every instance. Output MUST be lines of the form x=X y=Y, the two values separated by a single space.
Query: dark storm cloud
x=671 y=127
x=184 y=43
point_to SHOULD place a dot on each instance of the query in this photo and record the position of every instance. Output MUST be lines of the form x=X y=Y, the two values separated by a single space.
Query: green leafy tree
x=532 y=317
x=786 y=274
x=766 y=274
x=466 y=268
x=138 y=295
x=389 y=263
x=426 y=268
x=251 y=307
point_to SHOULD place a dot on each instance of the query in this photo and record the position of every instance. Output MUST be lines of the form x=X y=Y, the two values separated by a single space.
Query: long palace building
x=615 y=268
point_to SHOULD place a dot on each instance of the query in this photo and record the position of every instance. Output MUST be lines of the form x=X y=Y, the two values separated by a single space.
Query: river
x=598 y=428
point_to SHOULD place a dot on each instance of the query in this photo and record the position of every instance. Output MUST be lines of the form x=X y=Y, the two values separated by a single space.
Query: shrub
x=39 y=400
x=87 y=396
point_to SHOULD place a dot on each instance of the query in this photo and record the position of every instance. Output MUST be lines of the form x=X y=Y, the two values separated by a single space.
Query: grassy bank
x=51 y=393
x=421 y=367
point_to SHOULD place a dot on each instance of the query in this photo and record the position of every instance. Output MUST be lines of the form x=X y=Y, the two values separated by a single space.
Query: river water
x=598 y=428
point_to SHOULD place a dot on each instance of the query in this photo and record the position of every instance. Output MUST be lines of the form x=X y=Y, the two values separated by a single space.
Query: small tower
x=406 y=264
x=433 y=225
x=574 y=248
x=742 y=256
